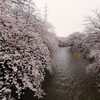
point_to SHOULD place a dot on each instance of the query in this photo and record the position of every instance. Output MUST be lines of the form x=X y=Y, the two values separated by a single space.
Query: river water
x=70 y=81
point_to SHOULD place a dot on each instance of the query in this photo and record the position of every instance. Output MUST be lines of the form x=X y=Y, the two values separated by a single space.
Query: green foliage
x=78 y=55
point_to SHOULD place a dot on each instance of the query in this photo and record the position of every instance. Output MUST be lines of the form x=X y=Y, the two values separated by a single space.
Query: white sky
x=67 y=16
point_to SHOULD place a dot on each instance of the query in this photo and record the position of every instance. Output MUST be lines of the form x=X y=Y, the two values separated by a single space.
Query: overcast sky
x=67 y=16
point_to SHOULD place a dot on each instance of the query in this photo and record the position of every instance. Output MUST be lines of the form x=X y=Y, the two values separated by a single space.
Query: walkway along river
x=70 y=81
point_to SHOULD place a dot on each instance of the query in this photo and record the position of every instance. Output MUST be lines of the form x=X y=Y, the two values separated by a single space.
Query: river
x=70 y=81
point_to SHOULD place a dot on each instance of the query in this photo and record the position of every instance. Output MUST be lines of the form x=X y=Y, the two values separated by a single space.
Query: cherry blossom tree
x=92 y=23
x=75 y=37
x=63 y=41
x=25 y=46
x=89 y=44
x=75 y=41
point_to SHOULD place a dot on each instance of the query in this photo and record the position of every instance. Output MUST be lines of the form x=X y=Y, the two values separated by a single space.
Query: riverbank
x=78 y=55
x=92 y=55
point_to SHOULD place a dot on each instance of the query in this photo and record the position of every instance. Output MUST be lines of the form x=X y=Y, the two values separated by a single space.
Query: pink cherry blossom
x=26 y=42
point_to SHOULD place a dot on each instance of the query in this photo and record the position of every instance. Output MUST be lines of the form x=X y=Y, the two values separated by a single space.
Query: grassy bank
x=78 y=55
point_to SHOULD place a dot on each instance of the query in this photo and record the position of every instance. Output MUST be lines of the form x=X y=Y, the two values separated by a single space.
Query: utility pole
x=45 y=12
